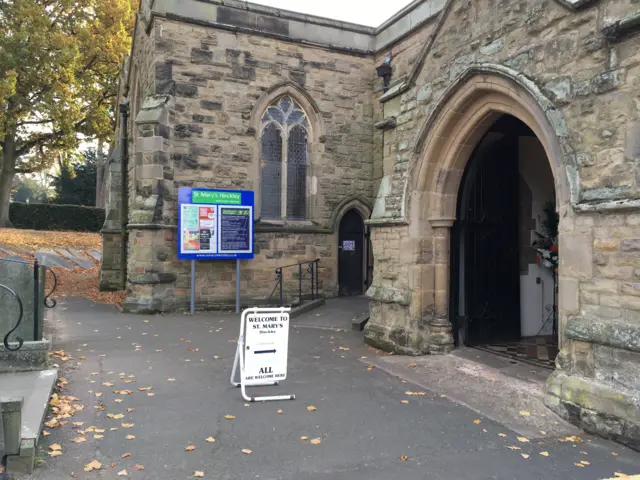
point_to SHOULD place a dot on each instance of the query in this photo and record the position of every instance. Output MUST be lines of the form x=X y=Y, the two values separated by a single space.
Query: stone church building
x=439 y=163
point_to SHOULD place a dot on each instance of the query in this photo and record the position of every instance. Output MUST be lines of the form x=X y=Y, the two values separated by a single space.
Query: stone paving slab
x=53 y=259
x=79 y=259
x=13 y=250
x=82 y=254
x=96 y=254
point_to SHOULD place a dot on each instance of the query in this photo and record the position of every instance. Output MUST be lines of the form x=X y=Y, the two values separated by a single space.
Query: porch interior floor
x=540 y=351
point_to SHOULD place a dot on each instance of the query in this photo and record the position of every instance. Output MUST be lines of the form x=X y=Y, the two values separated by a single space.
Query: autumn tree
x=59 y=61
x=76 y=182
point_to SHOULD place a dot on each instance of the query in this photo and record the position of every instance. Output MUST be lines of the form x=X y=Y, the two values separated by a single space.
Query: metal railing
x=47 y=301
x=20 y=312
x=311 y=267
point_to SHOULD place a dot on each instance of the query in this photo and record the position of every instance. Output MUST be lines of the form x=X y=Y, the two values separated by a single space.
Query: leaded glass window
x=284 y=160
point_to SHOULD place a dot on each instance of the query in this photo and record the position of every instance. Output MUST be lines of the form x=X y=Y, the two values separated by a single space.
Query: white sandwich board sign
x=263 y=346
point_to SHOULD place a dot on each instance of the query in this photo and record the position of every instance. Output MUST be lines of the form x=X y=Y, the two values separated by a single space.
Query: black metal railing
x=47 y=301
x=310 y=267
x=5 y=340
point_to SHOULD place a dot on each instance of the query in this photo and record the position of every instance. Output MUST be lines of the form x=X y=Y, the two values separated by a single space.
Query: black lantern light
x=385 y=71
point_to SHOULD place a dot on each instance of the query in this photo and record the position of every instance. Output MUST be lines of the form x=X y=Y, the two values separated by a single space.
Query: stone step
x=35 y=390
x=78 y=259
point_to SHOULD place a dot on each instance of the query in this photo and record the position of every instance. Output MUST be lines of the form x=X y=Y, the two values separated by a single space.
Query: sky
x=364 y=12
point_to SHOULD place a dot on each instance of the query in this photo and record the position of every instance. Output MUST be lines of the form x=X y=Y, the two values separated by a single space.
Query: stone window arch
x=284 y=160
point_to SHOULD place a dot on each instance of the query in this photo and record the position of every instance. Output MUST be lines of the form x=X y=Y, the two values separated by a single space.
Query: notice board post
x=215 y=225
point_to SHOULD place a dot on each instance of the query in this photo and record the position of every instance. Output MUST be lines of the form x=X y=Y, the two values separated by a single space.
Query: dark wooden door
x=487 y=267
x=351 y=254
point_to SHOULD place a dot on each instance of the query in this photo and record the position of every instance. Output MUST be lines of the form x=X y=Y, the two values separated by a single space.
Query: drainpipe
x=124 y=178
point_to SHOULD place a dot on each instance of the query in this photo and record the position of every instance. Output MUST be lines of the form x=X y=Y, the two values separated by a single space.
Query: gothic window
x=284 y=161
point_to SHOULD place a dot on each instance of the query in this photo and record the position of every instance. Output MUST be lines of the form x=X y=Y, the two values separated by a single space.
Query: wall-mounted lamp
x=385 y=71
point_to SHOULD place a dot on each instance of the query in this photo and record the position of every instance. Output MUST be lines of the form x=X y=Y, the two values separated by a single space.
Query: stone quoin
x=493 y=110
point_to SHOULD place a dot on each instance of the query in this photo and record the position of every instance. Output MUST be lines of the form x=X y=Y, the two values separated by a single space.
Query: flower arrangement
x=546 y=243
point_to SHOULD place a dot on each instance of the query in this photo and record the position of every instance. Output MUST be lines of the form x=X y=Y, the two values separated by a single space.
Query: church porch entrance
x=503 y=297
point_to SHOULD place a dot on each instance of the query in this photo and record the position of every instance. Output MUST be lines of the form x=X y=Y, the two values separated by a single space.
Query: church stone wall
x=585 y=66
x=200 y=129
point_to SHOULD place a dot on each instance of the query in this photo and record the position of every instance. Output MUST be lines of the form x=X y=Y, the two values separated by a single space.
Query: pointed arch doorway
x=502 y=299
x=353 y=253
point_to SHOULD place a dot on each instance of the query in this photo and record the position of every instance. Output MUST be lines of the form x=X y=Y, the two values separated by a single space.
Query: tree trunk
x=6 y=180
x=7 y=172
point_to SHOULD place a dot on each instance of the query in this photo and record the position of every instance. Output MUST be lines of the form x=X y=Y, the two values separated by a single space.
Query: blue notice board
x=215 y=224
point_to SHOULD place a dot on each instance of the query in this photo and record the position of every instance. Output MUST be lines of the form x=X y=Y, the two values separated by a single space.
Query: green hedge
x=49 y=216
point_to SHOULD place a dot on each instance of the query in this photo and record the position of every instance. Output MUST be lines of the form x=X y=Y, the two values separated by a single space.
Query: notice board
x=215 y=224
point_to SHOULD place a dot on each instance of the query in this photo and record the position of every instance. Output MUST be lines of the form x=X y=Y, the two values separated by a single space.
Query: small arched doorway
x=502 y=299
x=352 y=251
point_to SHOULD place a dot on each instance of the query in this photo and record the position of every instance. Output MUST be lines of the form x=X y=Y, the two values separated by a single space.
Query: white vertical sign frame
x=239 y=359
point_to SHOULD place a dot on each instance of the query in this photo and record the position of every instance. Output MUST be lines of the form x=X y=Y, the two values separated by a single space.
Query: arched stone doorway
x=445 y=146
x=352 y=254
x=502 y=296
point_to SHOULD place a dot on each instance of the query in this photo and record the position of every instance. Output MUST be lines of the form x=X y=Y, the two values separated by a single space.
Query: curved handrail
x=21 y=310
x=50 y=302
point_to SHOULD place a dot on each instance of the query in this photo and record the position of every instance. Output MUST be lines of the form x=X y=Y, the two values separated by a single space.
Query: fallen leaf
x=150 y=394
x=78 y=424
x=211 y=440
x=304 y=438
x=55 y=453
x=190 y=448
x=138 y=467
x=117 y=400
x=230 y=417
x=130 y=437
x=501 y=435
x=127 y=425
x=523 y=439
x=129 y=410
x=512 y=447
x=491 y=379
x=485 y=430
x=543 y=432
x=45 y=433
x=144 y=389
x=584 y=462
x=198 y=474
x=98 y=430
x=524 y=455
x=614 y=454
x=55 y=447
x=579 y=465
x=246 y=451
x=116 y=416
x=108 y=384
x=123 y=473
x=416 y=394
x=279 y=412
x=404 y=401
x=477 y=422
x=113 y=429
x=572 y=438
x=344 y=348
x=544 y=454
x=404 y=458
x=171 y=379
x=93 y=465
x=315 y=441
x=412 y=365
x=53 y=423
x=524 y=413
x=98 y=437
x=79 y=440
x=311 y=408
x=125 y=455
